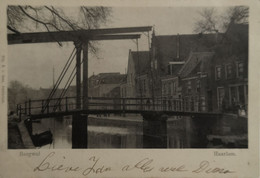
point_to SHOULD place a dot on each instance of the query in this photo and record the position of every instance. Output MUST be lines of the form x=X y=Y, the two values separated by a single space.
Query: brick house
x=170 y=52
x=229 y=72
x=101 y=85
x=171 y=93
x=138 y=74
x=194 y=82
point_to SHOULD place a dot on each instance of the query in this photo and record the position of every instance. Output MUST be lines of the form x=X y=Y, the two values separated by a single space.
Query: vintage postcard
x=129 y=89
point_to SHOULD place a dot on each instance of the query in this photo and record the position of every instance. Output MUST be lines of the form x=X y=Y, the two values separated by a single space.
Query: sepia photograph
x=85 y=77
x=129 y=88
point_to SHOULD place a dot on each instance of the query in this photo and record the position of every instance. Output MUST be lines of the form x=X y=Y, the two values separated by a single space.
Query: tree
x=210 y=21
x=17 y=93
x=49 y=18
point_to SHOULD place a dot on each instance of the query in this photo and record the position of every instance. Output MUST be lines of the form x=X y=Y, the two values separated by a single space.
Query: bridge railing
x=32 y=107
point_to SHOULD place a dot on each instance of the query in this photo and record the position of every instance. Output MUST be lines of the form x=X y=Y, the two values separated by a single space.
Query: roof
x=235 y=42
x=178 y=47
x=168 y=44
x=141 y=61
x=109 y=78
x=197 y=62
x=237 y=30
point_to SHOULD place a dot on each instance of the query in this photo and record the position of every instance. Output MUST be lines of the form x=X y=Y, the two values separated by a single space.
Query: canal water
x=112 y=132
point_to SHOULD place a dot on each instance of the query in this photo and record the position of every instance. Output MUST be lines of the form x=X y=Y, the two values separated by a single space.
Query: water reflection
x=111 y=133
x=113 y=137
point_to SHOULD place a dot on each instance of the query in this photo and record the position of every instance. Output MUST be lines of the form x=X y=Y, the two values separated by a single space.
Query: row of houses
x=192 y=72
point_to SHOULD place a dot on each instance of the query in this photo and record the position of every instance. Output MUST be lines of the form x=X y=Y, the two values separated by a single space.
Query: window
x=198 y=85
x=186 y=103
x=174 y=87
x=218 y=73
x=196 y=103
x=192 y=104
x=221 y=95
x=233 y=96
x=169 y=89
x=240 y=69
x=238 y=95
x=202 y=103
x=152 y=64
x=241 y=94
x=228 y=71
x=144 y=86
x=155 y=64
x=164 y=88
x=189 y=86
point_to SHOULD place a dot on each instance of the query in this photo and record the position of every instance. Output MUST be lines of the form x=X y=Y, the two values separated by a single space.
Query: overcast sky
x=33 y=64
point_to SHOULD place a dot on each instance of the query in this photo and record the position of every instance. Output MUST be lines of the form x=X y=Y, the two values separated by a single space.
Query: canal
x=117 y=131
x=111 y=132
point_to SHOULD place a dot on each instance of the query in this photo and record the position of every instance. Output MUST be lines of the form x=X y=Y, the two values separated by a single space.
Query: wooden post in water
x=79 y=131
x=154 y=130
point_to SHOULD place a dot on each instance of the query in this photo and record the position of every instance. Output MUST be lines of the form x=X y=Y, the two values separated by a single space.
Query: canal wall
x=225 y=131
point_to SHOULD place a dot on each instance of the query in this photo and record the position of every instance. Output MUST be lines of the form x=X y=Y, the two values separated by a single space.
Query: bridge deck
x=38 y=109
x=96 y=111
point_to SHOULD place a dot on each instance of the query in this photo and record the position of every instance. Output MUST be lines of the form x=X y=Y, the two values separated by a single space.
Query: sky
x=33 y=64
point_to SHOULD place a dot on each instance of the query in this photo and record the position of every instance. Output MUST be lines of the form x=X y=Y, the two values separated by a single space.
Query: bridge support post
x=154 y=130
x=78 y=74
x=79 y=131
x=85 y=75
x=80 y=122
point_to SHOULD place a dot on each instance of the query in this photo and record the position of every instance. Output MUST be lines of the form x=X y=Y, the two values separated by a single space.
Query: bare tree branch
x=210 y=21
x=49 y=18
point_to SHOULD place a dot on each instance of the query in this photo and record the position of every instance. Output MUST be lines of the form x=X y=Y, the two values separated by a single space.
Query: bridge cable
x=67 y=65
x=64 y=70
x=59 y=81
x=66 y=87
